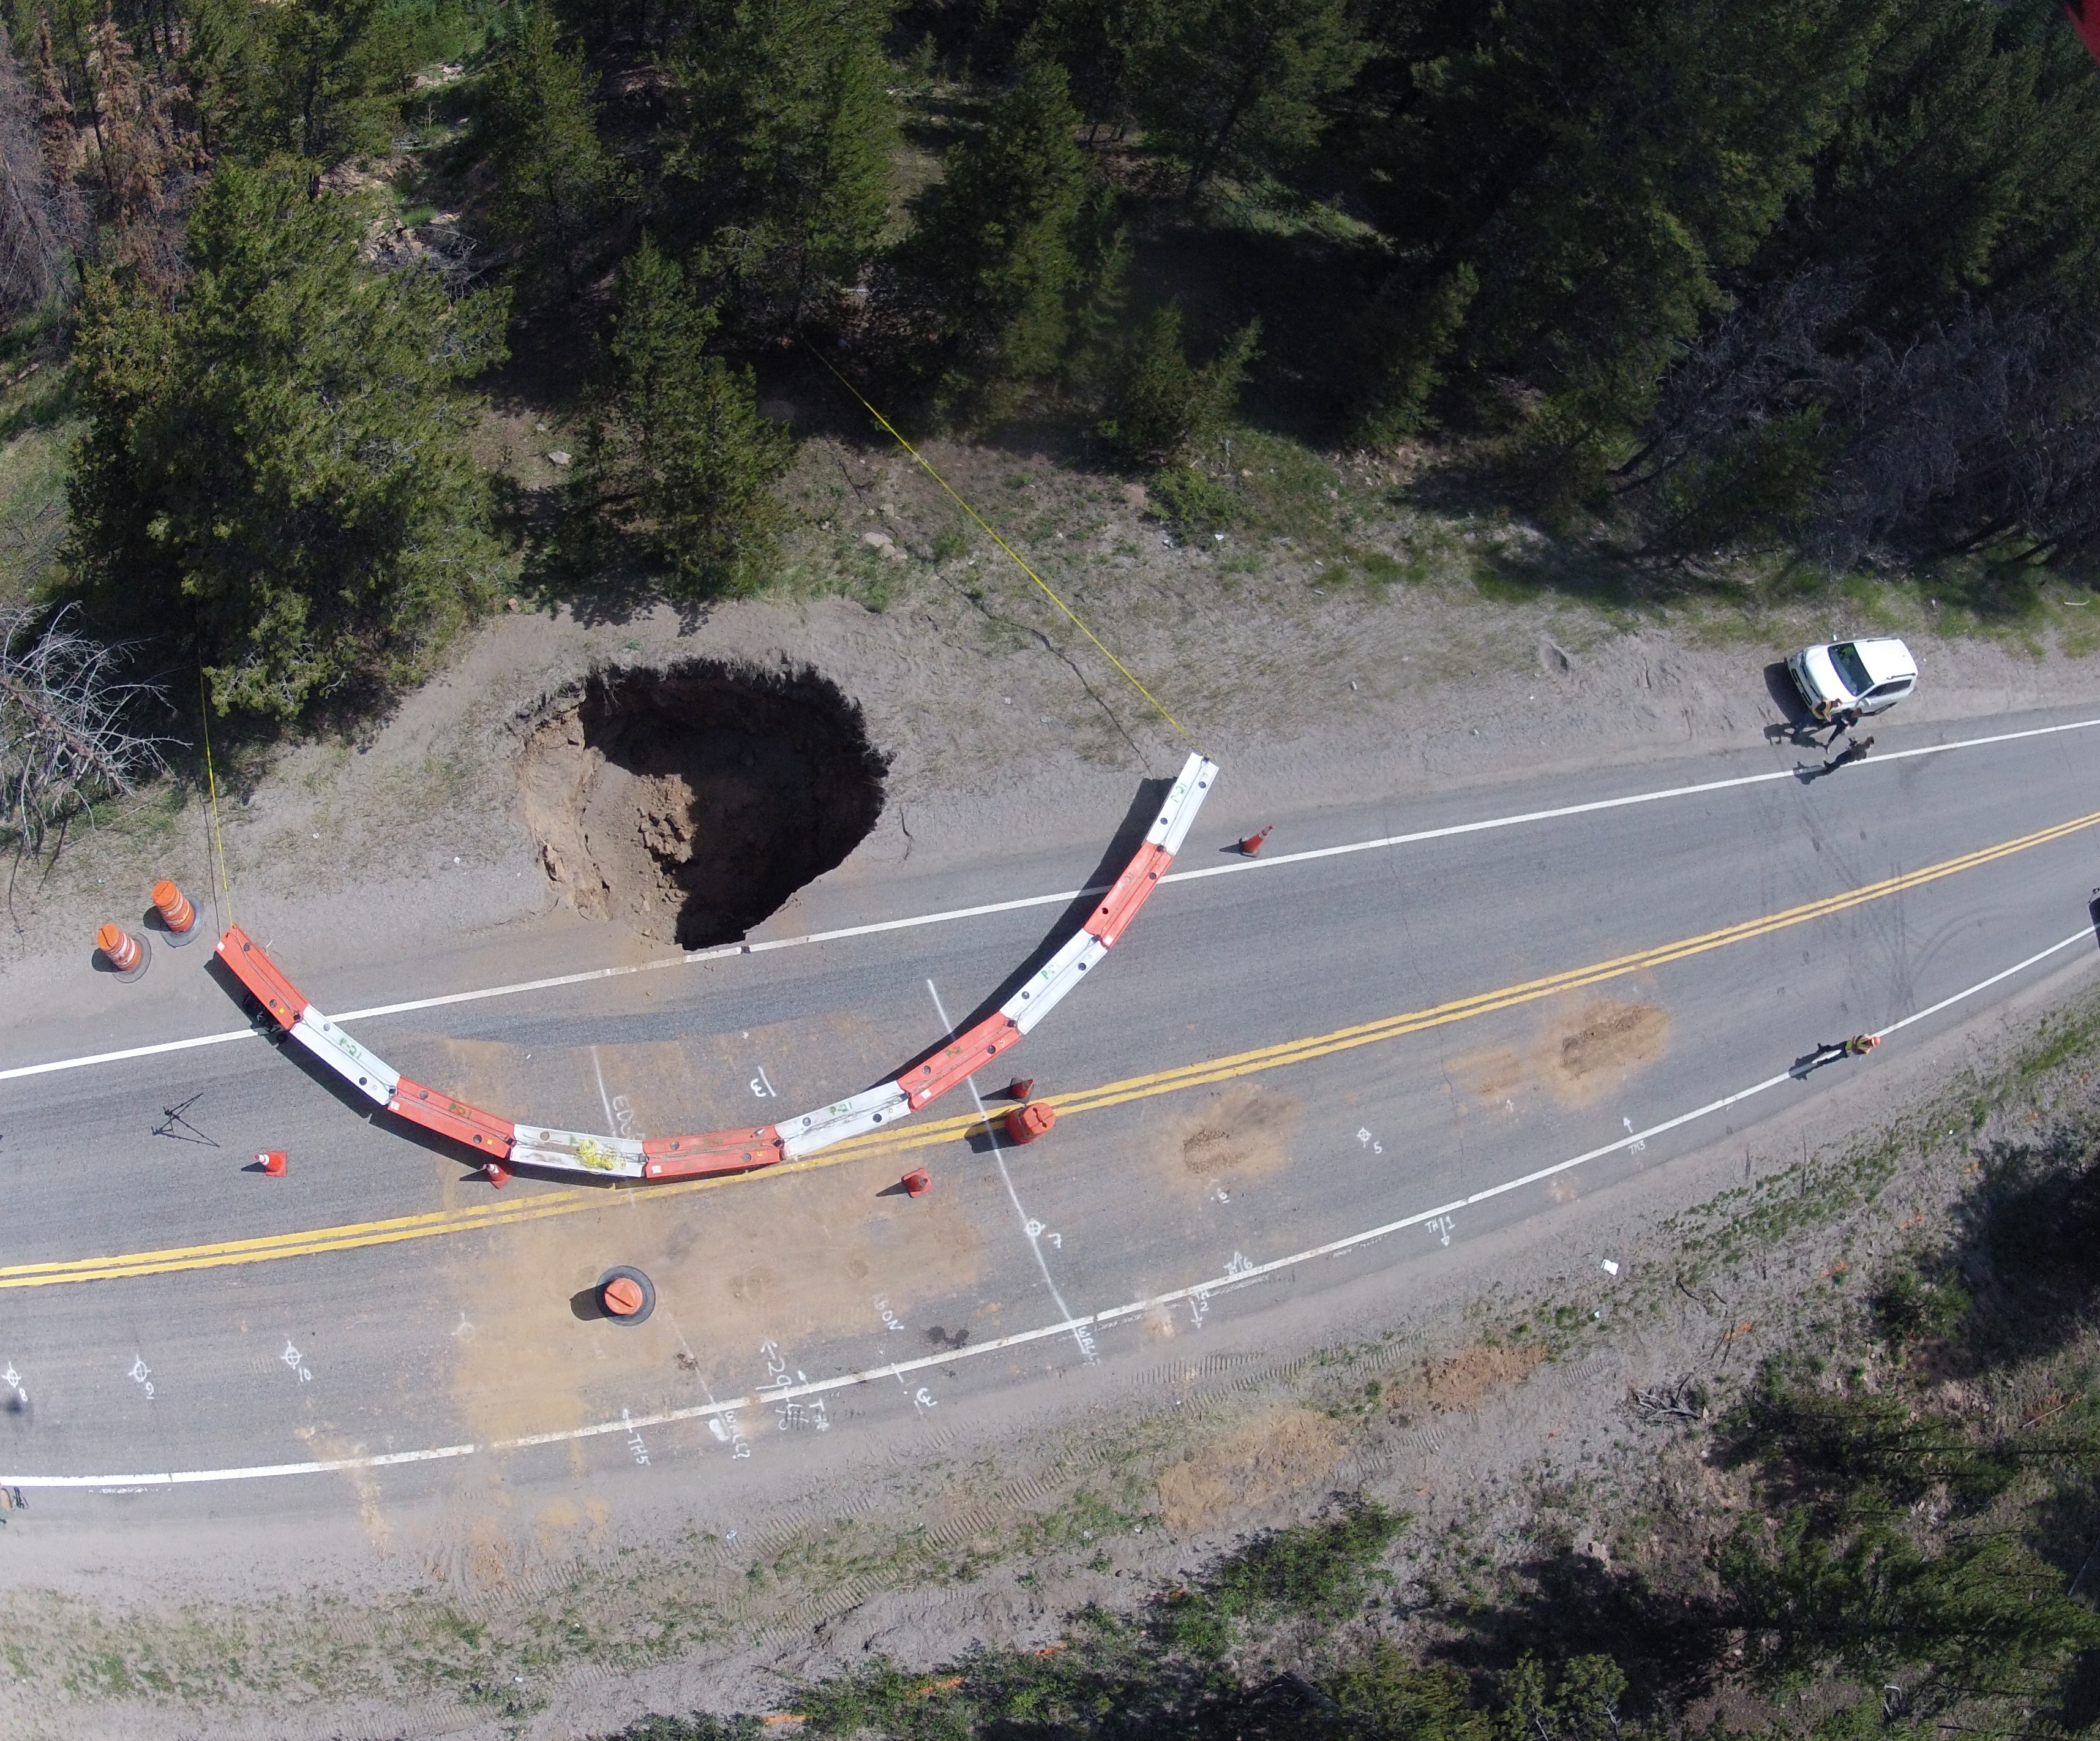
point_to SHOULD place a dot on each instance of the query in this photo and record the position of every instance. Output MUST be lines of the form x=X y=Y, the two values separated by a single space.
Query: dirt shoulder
x=999 y=718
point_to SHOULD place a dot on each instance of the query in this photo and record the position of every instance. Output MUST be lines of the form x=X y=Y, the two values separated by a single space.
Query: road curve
x=1412 y=1018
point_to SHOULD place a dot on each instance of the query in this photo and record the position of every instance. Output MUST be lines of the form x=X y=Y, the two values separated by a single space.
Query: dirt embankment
x=994 y=718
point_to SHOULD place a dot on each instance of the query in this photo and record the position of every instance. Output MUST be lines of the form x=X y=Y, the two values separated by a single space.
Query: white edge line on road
x=879 y=927
x=1068 y=1327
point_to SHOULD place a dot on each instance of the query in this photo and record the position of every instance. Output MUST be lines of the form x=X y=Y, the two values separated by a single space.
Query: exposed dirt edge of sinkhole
x=690 y=802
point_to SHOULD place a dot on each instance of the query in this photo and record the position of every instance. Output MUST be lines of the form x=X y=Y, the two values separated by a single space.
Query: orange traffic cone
x=1026 y=1124
x=176 y=912
x=126 y=955
x=275 y=1162
x=499 y=1175
x=1252 y=843
x=917 y=1182
x=1021 y=1088
x=623 y=1297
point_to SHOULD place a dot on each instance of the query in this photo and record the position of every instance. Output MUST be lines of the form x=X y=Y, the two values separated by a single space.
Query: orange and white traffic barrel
x=1026 y=1124
x=625 y=1295
x=178 y=917
x=128 y=956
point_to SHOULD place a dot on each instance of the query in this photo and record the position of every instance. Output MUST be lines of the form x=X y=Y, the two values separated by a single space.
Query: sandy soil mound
x=690 y=802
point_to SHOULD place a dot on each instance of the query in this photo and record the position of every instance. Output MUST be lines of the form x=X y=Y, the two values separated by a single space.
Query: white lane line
x=1595 y=805
x=1031 y=1228
x=604 y=1099
x=1069 y=1325
x=1266 y=862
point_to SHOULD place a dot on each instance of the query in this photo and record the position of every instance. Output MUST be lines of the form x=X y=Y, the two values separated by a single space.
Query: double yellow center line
x=543 y=1204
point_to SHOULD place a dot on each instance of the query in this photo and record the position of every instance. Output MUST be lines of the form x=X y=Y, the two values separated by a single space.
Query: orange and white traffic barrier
x=969 y=1051
x=1024 y=1125
x=853 y=1116
x=127 y=955
x=717 y=1151
x=961 y=1057
x=370 y=1075
x=503 y=1145
x=178 y=917
x=577 y=1151
x=255 y=970
x=465 y=1124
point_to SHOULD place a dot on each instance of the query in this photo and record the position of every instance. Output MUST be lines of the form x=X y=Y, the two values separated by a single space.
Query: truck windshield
x=1850 y=672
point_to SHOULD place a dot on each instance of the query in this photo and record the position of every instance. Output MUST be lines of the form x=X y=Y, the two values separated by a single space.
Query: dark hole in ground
x=691 y=802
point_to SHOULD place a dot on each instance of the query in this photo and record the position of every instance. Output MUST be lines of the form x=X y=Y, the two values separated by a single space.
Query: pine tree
x=59 y=139
x=1967 y=168
x=1984 y=1615
x=1013 y=250
x=321 y=80
x=555 y=180
x=280 y=457
x=1240 y=84
x=678 y=455
x=1401 y=339
x=37 y=221
x=141 y=152
x=779 y=153
x=1598 y=166
x=1161 y=406
x=1101 y=44
x=222 y=45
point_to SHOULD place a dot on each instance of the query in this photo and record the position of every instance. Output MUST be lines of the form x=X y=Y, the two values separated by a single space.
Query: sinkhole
x=689 y=802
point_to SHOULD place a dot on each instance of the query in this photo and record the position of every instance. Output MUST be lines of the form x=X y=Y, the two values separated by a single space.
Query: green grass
x=38 y=420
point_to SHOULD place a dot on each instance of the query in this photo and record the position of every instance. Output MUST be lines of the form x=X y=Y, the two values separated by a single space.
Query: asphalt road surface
x=1295 y=1075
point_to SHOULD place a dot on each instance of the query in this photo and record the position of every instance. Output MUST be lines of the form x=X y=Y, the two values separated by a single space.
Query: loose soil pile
x=690 y=802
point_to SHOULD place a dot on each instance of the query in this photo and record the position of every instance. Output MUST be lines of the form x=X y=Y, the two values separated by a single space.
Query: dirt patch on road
x=736 y=1266
x=1241 y=1132
x=1610 y=1039
x=1284 y=1451
x=690 y=802
x=1576 y=1056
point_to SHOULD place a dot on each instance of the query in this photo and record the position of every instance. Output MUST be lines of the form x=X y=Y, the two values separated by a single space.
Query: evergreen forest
x=1694 y=280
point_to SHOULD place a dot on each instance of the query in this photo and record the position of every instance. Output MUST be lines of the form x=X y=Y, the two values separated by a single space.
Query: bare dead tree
x=1981 y=430
x=147 y=162
x=39 y=220
x=68 y=735
x=1760 y=360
